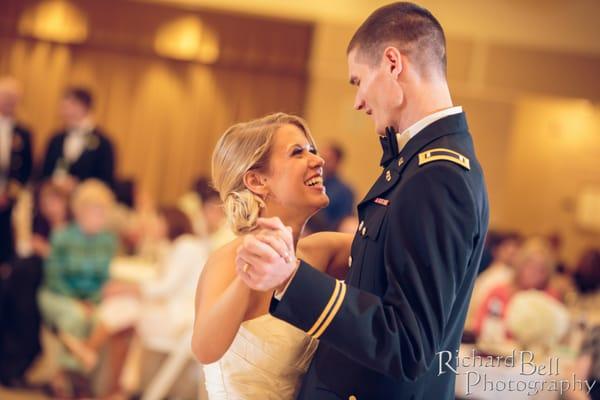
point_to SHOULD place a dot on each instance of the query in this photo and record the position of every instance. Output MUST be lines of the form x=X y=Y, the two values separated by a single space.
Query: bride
x=262 y=168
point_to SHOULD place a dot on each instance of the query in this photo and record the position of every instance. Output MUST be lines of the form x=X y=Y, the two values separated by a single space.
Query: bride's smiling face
x=294 y=178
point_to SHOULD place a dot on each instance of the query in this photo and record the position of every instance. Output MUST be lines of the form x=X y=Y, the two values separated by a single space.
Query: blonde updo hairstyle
x=243 y=147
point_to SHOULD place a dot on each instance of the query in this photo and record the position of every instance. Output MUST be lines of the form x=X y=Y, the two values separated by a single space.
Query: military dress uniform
x=411 y=271
x=95 y=160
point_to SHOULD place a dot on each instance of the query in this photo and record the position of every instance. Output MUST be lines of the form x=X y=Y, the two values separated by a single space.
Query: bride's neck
x=294 y=220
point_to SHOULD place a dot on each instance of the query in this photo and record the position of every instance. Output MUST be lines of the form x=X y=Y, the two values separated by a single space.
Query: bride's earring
x=261 y=202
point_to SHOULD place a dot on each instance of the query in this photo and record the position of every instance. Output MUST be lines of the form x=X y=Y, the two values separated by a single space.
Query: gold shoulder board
x=444 y=154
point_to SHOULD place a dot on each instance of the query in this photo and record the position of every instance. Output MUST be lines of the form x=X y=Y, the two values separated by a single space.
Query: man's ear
x=392 y=59
x=256 y=183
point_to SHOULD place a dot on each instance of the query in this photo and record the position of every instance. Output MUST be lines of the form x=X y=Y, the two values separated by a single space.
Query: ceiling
x=570 y=25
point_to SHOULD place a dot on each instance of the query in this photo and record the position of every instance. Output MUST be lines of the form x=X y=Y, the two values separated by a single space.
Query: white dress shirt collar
x=421 y=124
x=75 y=141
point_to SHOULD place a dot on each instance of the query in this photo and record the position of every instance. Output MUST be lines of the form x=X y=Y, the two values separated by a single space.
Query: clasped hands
x=266 y=259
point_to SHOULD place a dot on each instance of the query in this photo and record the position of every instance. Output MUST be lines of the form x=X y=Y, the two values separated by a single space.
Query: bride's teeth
x=314 y=181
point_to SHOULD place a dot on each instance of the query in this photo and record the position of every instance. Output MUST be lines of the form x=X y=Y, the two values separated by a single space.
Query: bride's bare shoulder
x=224 y=256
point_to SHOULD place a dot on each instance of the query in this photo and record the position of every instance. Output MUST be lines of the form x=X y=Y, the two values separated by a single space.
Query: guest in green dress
x=77 y=269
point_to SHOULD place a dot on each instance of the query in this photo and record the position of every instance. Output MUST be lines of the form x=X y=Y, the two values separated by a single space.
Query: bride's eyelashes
x=299 y=149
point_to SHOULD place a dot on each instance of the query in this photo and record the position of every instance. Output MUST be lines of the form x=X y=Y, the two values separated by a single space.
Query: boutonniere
x=17 y=143
x=92 y=142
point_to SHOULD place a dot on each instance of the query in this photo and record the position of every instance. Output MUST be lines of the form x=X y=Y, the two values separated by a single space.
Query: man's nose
x=359 y=104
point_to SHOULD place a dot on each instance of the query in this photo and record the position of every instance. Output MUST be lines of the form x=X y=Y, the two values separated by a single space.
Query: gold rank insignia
x=93 y=142
x=444 y=154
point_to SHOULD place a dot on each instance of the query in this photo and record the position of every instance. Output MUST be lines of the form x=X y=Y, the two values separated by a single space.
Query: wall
x=521 y=102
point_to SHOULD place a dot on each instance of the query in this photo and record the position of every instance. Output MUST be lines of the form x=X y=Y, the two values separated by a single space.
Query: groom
x=422 y=225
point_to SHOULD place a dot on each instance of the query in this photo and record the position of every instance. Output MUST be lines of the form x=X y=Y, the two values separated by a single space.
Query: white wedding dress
x=266 y=361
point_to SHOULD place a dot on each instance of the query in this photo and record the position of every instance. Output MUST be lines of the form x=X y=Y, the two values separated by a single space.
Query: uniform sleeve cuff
x=311 y=301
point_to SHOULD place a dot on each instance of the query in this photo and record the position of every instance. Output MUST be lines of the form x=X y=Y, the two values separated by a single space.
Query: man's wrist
x=281 y=289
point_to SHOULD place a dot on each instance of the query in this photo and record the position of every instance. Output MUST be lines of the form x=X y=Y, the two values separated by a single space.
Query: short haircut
x=81 y=95
x=411 y=28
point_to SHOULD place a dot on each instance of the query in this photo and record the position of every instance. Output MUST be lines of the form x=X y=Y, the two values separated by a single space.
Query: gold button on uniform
x=364 y=231
x=388 y=176
x=349 y=261
x=401 y=161
x=362 y=223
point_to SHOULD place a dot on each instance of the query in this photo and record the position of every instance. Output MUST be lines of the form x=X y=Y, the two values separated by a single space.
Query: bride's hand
x=278 y=240
x=266 y=258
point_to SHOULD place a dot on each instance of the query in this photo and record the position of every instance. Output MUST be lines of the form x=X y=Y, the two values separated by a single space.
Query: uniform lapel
x=393 y=170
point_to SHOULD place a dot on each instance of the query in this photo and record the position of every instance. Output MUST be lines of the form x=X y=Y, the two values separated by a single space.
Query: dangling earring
x=261 y=202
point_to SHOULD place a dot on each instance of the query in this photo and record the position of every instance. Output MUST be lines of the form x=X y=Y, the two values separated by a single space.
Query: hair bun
x=242 y=209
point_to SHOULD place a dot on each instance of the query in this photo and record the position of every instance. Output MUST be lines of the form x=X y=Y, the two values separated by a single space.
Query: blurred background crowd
x=109 y=112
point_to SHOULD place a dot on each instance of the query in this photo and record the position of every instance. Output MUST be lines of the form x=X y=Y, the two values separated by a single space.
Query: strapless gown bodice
x=267 y=360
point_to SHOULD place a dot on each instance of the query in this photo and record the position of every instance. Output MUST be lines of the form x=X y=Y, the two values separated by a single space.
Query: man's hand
x=266 y=259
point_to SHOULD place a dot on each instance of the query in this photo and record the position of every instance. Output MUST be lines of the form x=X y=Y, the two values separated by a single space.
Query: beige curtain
x=163 y=116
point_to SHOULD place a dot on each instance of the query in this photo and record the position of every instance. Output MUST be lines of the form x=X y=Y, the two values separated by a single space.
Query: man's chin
x=380 y=129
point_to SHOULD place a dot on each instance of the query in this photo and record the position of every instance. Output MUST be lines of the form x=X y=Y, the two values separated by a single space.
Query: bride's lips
x=315 y=182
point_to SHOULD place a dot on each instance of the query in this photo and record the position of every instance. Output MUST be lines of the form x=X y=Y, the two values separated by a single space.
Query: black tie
x=389 y=143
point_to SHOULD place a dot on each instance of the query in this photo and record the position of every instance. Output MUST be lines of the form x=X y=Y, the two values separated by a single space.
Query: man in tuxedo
x=15 y=161
x=19 y=277
x=422 y=225
x=81 y=150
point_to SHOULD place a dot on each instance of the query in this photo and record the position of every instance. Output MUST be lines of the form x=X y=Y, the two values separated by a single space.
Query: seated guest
x=19 y=283
x=75 y=272
x=160 y=310
x=587 y=367
x=15 y=161
x=587 y=272
x=136 y=221
x=80 y=151
x=191 y=204
x=51 y=214
x=503 y=248
x=533 y=270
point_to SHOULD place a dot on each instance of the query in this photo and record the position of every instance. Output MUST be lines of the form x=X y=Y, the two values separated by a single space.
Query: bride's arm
x=327 y=250
x=222 y=301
